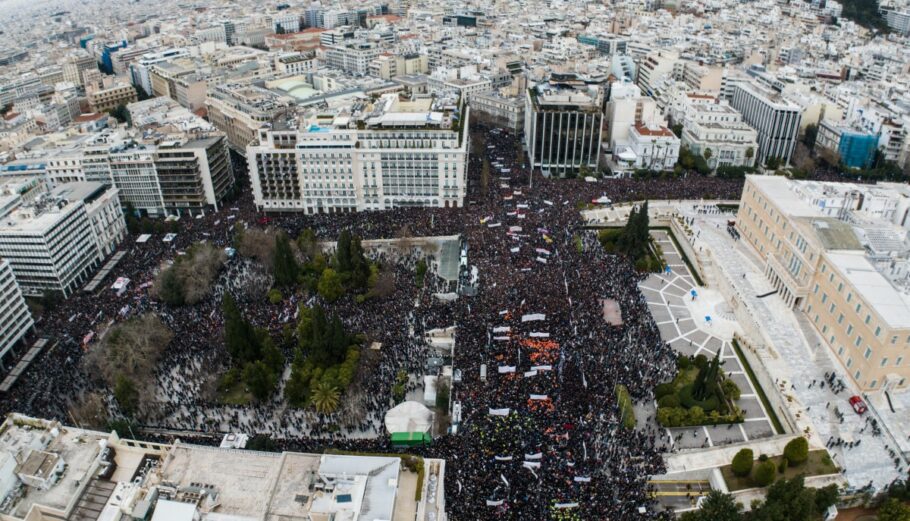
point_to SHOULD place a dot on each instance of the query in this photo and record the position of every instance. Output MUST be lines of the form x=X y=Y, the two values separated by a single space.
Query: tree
x=810 y=135
x=797 y=451
x=127 y=395
x=742 y=462
x=279 y=29
x=716 y=506
x=343 y=252
x=442 y=398
x=790 y=500
x=122 y=114
x=764 y=473
x=261 y=442
x=242 y=340
x=325 y=398
x=707 y=153
x=171 y=291
x=421 y=272
x=485 y=177
x=677 y=129
x=329 y=286
x=750 y=153
x=284 y=265
x=893 y=510
x=260 y=379
x=275 y=296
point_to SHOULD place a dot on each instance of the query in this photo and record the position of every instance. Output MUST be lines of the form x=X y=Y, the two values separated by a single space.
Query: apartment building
x=371 y=155
x=55 y=242
x=504 y=111
x=240 y=110
x=855 y=149
x=655 y=65
x=15 y=318
x=563 y=125
x=105 y=99
x=352 y=57
x=837 y=252
x=774 y=118
x=718 y=128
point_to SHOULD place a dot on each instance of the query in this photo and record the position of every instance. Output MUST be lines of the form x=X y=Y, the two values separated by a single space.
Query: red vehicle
x=859 y=407
x=264 y=220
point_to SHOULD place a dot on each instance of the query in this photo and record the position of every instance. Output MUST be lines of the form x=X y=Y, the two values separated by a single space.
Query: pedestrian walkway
x=669 y=297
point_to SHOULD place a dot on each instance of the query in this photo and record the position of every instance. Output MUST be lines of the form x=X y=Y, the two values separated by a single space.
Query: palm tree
x=325 y=398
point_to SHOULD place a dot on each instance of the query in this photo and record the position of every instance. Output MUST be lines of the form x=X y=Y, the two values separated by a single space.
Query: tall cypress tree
x=284 y=264
x=343 y=252
x=242 y=340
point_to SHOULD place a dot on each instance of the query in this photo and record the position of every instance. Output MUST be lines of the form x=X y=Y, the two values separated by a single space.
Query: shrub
x=762 y=457
x=275 y=296
x=797 y=451
x=683 y=362
x=731 y=389
x=671 y=400
x=688 y=401
x=782 y=466
x=742 y=462
x=764 y=473
x=664 y=389
x=701 y=361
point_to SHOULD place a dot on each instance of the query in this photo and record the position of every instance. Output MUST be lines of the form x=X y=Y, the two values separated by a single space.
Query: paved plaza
x=683 y=324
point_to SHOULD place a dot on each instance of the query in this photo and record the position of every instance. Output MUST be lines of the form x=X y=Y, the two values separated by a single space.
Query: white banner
x=494 y=225
x=529 y=374
x=506 y=369
x=494 y=503
x=515 y=249
x=536 y=456
x=503 y=458
x=531 y=464
x=548 y=203
x=541 y=260
x=582 y=479
x=500 y=412
x=522 y=206
x=538 y=397
x=503 y=312
x=515 y=229
x=501 y=338
x=542 y=368
x=502 y=329
x=566 y=505
x=540 y=335
x=533 y=317
x=543 y=251
x=504 y=480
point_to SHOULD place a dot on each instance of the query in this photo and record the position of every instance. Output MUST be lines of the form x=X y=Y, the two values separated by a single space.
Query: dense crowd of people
x=538 y=437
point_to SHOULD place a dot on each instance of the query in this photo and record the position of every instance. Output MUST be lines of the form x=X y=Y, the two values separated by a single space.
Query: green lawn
x=236 y=395
x=816 y=465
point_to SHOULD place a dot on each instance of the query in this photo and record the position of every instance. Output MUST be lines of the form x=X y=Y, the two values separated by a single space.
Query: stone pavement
x=798 y=363
x=682 y=323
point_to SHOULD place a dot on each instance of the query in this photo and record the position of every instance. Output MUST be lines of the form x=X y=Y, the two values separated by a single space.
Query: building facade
x=54 y=245
x=775 y=119
x=397 y=154
x=563 y=125
x=15 y=318
x=833 y=252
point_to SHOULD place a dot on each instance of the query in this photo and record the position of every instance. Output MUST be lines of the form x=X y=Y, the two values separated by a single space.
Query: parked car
x=859 y=406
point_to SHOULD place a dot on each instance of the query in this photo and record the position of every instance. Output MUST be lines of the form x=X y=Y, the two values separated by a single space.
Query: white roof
x=409 y=417
x=777 y=190
x=874 y=288
x=166 y=510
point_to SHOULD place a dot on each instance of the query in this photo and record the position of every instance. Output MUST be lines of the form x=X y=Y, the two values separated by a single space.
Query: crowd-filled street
x=539 y=437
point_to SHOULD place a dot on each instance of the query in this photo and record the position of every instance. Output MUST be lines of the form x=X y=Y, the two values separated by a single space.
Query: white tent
x=409 y=417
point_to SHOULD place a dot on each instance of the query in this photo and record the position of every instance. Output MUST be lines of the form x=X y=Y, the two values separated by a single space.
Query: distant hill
x=864 y=13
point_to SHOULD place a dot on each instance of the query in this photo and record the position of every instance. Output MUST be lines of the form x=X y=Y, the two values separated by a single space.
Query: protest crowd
x=539 y=437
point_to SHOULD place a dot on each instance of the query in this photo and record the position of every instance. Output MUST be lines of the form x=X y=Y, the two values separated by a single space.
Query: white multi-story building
x=655 y=147
x=55 y=243
x=369 y=156
x=15 y=319
x=719 y=128
x=352 y=57
x=775 y=119
x=286 y=23
x=139 y=69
